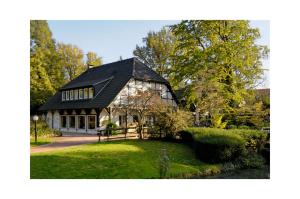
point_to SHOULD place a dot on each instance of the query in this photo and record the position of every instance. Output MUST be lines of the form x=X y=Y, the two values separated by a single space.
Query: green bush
x=250 y=161
x=219 y=148
x=255 y=139
x=42 y=129
x=111 y=126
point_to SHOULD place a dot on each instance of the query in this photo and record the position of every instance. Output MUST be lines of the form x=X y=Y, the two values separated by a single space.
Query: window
x=91 y=122
x=122 y=120
x=72 y=121
x=81 y=93
x=81 y=122
x=67 y=95
x=63 y=96
x=76 y=94
x=91 y=92
x=63 y=121
x=86 y=93
x=71 y=94
x=135 y=118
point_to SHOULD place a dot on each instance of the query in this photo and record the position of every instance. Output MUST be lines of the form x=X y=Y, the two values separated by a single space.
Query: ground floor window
x=122 y=120
x=81 y=122
x=135 y=118
x=91 y=122
x=72 y=121
x=63 y=121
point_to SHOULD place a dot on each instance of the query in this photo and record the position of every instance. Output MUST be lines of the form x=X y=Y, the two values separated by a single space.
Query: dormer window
x=63 y=96
x=67 y=95
x=86 y=93
x=76 y=94
x=71 y=94
x=91 y=92
x=81 y=93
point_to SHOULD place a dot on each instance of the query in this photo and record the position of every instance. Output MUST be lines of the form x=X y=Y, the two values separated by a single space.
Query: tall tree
x=93 y=59
x=219 y=60
x=45 y=74
x=157 y=51
x=71 y=60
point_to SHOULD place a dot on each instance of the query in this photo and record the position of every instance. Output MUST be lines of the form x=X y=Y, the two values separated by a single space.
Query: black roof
x=107 y=80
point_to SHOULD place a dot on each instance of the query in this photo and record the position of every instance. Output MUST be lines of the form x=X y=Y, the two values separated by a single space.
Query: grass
x=40 y=141
x=127 y=159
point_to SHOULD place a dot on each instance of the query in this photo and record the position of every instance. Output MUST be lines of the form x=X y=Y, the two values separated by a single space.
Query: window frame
x=82 y=92
x=71 y=93
x=74 y=127
x=78 y=122
x=76 y=94
x=61 y=126
x=67 y=96
x=88 y=122
x=85 y=93
x=63 y=97
x=91 y=94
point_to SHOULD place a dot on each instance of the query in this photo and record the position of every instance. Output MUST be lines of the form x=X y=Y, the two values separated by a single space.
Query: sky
x=111 y=39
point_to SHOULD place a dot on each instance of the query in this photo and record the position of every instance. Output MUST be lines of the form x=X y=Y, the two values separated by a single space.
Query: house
x=86 y=103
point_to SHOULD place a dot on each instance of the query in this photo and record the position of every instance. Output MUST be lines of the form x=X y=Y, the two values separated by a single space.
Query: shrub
x=172 y=121
x=42 y=129
x=244 y=127
x=186 y=136
x=111 y=126
x=251 y=161
x=219 y=148
x=255 y=139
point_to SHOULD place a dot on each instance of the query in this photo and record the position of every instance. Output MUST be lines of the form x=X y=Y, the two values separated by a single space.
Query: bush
x=255 y=139
x=42 y=129
x=244 y=127
x=219 y=148
x=111 y=125
x=251 y=161
x=186 y=136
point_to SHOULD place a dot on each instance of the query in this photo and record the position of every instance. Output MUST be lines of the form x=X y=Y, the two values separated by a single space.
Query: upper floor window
x=76 y=94
x=63 y=96
x=71 y=94
x=67 y=95
x=91 y=92
x=81 y=93
x=86 y=93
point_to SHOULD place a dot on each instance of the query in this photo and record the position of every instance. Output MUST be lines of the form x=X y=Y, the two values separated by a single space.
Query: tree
x=157 y=52
x=220 y=61
x=140 y=103
x=93 y=59
x=45 y=73
x=71 y=60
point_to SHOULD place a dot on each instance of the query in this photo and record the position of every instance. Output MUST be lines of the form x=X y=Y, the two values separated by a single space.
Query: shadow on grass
x=125 y=159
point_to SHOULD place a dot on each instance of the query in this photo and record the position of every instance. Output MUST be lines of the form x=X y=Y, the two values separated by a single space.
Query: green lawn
x=40 y=141
x=117 y=159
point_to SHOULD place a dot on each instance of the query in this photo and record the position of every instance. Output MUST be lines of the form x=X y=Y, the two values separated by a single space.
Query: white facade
x=73 y=122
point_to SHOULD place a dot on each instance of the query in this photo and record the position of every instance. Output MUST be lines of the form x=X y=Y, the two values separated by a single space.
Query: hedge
x=220 y=145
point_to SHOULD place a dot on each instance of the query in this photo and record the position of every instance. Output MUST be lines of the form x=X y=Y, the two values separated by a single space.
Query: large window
x=81 y=122
x=63 y=96
x=67 y=95
x=71 y=94
x=63 y=121
x=91 y=122
x=91 y=92
x=86 y=93
x=72 y=121
x=81 y=93
x=76 y=94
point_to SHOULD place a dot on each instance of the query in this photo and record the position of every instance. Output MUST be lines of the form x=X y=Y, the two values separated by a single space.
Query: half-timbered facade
x=86 y=103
